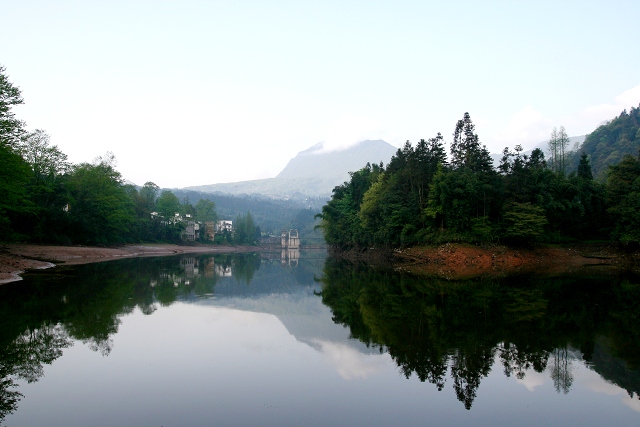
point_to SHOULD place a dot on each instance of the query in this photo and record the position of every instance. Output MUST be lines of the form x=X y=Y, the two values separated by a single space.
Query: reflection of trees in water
x=433 y=328
x=516 y=361
x=467 y=369
x=46 y=312
x=560 y=370
x=23 y=359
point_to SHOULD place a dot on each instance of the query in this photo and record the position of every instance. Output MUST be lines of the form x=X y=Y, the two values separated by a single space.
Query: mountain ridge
x=311 y=173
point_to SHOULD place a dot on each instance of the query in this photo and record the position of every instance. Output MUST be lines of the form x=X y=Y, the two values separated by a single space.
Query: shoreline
x=16 y=259
x=458 y=261
x=449 y=261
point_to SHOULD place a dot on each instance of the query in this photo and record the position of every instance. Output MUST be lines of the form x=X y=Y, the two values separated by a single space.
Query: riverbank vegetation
x=424 y=196
x=47 y=199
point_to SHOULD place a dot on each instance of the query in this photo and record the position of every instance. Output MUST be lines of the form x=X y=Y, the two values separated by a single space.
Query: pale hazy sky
x=200 y=92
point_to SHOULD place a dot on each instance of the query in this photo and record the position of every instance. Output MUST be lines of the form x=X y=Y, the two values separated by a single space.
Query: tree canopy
x=422 y=197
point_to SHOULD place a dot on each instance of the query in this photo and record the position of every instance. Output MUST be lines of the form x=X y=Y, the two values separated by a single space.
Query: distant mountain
x=335 y=166
x=312 y=173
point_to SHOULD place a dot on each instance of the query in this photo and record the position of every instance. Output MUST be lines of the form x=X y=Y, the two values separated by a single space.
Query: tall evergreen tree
x=584 y=168
x=466 y=151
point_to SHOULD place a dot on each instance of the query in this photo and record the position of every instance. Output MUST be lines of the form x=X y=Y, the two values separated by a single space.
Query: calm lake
x=237 y=340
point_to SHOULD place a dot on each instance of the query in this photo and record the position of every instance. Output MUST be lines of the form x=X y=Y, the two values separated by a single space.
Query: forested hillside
x=425 y=196
x=610 y=142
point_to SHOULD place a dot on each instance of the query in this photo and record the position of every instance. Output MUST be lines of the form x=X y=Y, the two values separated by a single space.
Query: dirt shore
x=450 y=261
x=15 y=259
x=461 y=261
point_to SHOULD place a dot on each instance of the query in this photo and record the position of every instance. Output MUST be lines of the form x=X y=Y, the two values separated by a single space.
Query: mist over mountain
x=313 y=172
x=335 y=166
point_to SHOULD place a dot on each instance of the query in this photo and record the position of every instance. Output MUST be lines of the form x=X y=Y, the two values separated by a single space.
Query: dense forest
x=424 y=196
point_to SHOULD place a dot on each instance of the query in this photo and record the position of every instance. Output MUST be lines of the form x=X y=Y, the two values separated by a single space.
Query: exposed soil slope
x=460 y=261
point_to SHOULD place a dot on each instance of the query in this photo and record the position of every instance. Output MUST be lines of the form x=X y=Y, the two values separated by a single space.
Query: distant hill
x=610 y=142
x=311 y=173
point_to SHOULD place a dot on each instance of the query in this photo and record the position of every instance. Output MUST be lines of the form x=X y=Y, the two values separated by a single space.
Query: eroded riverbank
x=463 y=261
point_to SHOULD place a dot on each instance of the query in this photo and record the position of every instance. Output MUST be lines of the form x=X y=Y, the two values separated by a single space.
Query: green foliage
x=168 y=204
x=246 y=232
x=14 y=177
x=46 y=199
x=558 y=148
x=100 y=211
x=205 y=211
x=460 y=196
x=14 y=171
x=584 y=168
x=524 y=222
x=419 y=198
x=305 y=222
x=623 y=189
x=10 y=128
x=46 y=189
x=273 y=215
x=610 y=142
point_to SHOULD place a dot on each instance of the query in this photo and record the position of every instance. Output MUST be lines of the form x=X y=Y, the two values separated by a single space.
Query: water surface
x=239 y=340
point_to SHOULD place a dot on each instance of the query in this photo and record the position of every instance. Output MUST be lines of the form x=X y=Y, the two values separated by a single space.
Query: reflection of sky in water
x=269 y=354
x=202 y=365
x=584 y=379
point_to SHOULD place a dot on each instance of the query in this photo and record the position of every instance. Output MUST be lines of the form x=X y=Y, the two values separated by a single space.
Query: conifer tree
x=584 y=168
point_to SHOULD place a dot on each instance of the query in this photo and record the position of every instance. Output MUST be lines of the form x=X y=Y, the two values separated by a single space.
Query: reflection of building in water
x=290 y=256
x=190 y=267
x=209 y=267
x=290 y=247
x=223 y=271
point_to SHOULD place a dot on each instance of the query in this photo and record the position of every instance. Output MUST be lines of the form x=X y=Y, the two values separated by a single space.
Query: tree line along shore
x=426 y=197
x=47 y=199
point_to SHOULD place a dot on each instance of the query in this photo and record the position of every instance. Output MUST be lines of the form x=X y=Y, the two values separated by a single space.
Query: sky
x=201 y=92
